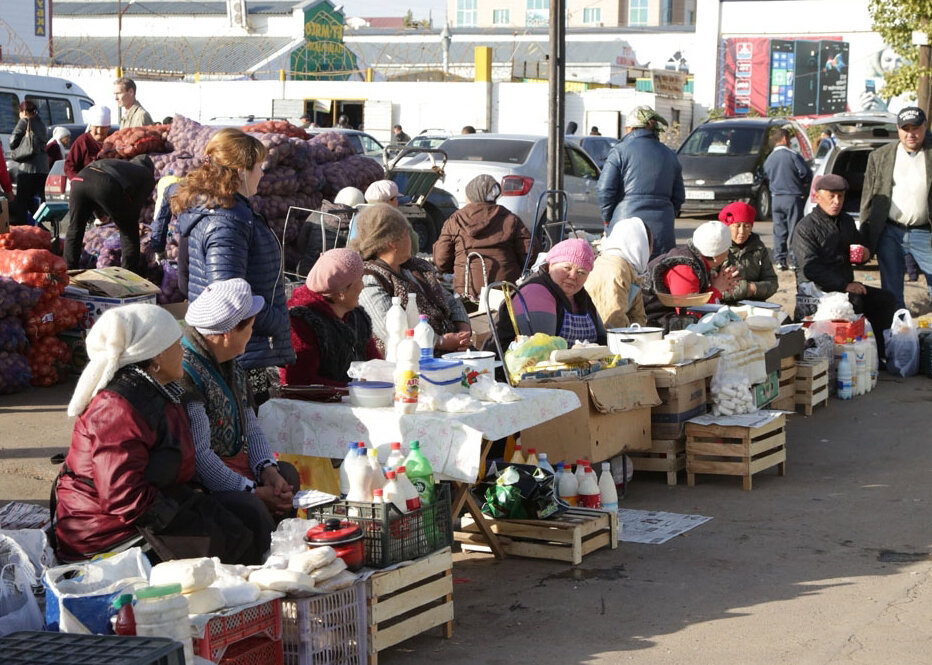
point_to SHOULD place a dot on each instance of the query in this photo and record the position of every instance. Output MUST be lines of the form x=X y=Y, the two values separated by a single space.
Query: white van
x=60 y=102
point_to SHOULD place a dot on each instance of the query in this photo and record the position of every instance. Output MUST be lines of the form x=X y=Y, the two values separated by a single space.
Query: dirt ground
x=827 y=565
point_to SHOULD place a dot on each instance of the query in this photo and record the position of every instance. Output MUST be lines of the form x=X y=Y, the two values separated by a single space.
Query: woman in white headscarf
x=58 y=146
x=127 y=476
x=86 y=147
x=615 y=282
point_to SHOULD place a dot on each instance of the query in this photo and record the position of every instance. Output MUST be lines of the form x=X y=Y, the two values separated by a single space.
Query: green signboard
x=322 y=56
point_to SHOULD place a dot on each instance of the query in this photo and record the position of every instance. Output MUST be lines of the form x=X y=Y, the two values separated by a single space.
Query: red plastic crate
x=263 y=620
x=254 y=651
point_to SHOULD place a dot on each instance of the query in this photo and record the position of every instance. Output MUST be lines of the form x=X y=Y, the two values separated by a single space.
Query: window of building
x=592 y=15
x=501 y=16
x=466 y=13
x=538 y=13
x=637 y=12
x=666 y=12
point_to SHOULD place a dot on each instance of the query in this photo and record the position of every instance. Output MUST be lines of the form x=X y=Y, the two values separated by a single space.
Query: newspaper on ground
x=654 y=527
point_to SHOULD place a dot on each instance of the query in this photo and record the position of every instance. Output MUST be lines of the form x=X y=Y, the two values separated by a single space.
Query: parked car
x=519 y=163
x=596 y=147
x=723 y=160
x=429 y=138
x=365 y=144
x=857 y=135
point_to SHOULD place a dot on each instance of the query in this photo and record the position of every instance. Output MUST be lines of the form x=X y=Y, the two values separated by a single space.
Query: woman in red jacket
x=127 y=476
x=86 y=147
x=328 y=328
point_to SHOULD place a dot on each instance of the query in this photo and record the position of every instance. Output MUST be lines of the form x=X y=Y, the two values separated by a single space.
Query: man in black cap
x=895 y=202
x=822 y=244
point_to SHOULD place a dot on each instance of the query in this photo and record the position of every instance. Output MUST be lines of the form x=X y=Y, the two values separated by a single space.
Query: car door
x=581 y=180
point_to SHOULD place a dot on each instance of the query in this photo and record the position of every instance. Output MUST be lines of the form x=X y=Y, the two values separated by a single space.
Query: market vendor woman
x=130 y=466
x=757 y=278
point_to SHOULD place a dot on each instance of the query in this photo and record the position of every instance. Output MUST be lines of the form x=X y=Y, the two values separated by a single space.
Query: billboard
x=25 y=31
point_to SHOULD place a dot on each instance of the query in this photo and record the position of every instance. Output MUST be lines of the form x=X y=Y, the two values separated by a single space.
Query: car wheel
x=428 y=229
x=763 y=204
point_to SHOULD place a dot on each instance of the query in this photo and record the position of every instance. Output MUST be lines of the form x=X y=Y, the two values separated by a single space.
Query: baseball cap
x=911 y=115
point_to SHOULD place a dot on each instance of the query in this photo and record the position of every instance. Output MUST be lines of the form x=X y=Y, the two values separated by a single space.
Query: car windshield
x=506 y=151
x=598 y=147
x=724 y=141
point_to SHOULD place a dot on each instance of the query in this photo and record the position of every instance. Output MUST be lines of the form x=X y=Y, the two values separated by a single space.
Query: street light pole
x=557 y=106
x=119 y=38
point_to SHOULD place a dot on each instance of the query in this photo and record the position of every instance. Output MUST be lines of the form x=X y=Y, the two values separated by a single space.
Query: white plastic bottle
x=860 y=364
x=608 y=493
x=543 y=462
x=849 y=349
x=411 y=313
x=580 y=472
x=874 y=359
x=589 y=496
x=348 y=460
x=412 y=498
x=406 y=374
x=568 y=488
x=843 y=377
x=424 y=336
x=393 y=494
x=360 y=478
x=396 y=322
x=377 y=477
x=161 y=611
x=532 y=458
x=396 y=457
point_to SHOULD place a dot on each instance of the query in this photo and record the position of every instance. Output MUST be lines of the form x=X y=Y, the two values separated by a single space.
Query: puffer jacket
x=38 y=163
x=821 y=246
x=642 y=178
x=753 y=262
x=655 y=281
x=490 y=230
x=223 y=243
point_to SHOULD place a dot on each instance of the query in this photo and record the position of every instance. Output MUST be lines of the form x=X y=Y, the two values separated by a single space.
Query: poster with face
x=872 y=97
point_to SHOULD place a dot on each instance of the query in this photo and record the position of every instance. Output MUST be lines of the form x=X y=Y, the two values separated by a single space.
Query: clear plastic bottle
x=589 y=495
x=556 y=477
x=411 y=313
x=568 y=488
x=161 y=611
x=419 y=472
x=424 y=336
x=377 y=475
x=396 y=457
x=532 y=457
x=348 y=460
x=396 y=322
x=517 y=457
x=544 y=463
x=406 y=374
x=359 y=474
x=393 y=494
x=850 y=350
x=608 y=493
x=412 y=498
x=843 y=377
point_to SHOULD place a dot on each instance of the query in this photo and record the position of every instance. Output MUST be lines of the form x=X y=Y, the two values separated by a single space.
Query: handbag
x=26 y=149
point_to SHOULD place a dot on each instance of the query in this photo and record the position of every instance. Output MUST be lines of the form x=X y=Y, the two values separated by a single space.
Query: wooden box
x=410 y=600
x=735 y=450
x=665 y=455
x=567 y=537
x=786 y=392
x=811 y=384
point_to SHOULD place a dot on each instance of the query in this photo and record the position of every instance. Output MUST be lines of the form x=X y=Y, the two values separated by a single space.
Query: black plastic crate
x=391 y=536
x=47 y=648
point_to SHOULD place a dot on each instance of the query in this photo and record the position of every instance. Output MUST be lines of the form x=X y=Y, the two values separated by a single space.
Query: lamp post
x=121 y=9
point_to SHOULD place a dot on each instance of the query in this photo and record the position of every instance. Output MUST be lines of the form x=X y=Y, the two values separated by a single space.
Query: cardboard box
x=4 y=215
x=614 y=417
x=103 y=288
x=766 y=392
x=670 y=376
x=678 y=404
x=176 y=309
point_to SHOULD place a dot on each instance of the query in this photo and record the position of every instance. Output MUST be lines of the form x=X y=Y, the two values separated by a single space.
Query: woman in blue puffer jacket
x=222 y=237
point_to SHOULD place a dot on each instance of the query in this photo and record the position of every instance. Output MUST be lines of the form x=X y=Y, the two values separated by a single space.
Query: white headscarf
x=628 y=240
x=58 y=134
x=381 y=191
x=122 y=336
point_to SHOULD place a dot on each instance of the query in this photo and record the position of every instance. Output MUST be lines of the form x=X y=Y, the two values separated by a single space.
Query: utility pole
x=921 y=39
x=557 y=105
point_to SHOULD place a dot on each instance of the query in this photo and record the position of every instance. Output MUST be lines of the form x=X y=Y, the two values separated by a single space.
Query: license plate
x=700 y=194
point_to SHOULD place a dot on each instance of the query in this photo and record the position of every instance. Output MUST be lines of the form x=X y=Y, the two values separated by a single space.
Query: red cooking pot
x=344 y=537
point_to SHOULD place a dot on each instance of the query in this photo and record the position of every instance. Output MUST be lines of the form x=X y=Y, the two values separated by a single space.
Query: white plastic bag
x=18 y=607
x=902 y=344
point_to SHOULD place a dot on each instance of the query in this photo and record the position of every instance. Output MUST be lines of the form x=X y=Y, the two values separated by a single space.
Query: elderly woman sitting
x=758 y=279
x=129 y=470
x=233 y=458
x=615 y=282
x=328 y=328
x=384 y=242
x=557 y=302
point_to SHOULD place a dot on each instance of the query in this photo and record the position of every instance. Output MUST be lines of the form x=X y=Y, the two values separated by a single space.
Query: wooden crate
x=568 y=537
x=665 y=455
x=735 y=450
x=410 y=600
x=811 y=384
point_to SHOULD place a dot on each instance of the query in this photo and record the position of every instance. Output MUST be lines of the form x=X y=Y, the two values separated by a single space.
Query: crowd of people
x=166 y=448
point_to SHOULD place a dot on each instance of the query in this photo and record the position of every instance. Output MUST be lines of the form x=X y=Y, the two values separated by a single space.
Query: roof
x=168 y=8
x=408 y=52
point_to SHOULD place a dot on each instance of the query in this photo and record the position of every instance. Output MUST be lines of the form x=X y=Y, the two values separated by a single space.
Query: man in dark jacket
x=822 y=244
x=114 y=188
x=789 y=177
x=642 y=178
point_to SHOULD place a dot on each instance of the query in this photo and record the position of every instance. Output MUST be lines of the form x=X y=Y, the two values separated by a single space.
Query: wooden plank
x=723 y=431
x=715 y=448
x=389 y=608
x=784 y=404
x=788 y=362
x=382 y=638
x=381 y=584
x=716 y=467
x=768 y=461
x=669 y=463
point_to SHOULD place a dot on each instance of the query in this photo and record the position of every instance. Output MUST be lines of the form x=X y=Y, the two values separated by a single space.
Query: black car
x=723 y=160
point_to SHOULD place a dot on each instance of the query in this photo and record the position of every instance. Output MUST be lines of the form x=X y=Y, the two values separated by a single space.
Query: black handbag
x=26 y=149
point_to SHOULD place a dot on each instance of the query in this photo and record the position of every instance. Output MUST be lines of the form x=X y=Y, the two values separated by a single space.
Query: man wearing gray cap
x=823 y=243
x=895 y=202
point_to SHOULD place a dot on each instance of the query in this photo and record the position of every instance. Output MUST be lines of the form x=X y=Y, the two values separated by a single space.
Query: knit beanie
x=483 y=189
x=334 y=271
x=221 y=307
x=122 y=336
x=712 y=239
x=576 y=251
x=381 y=191
x=737 y=213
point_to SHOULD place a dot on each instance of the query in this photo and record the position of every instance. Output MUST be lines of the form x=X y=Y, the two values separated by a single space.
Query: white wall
x=18 y=37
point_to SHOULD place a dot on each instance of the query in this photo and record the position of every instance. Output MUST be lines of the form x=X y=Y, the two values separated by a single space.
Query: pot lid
x=371 y=385
x=438 y=364
x=333 y=532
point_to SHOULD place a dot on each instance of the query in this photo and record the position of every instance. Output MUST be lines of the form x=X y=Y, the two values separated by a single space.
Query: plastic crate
x=326 y=630
x=45 y=648
x=254 y=651
x=262 y=620
x=391 y=536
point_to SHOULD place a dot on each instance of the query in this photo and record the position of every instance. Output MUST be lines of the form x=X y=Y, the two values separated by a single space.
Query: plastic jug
x=589 y=496
x=412 y=498
x=517 y=457
x=396 y=457
x=396 y=322
x=843 y=377
x=861 y=368
x=532 y=456
x=608 y=493
x=424 y=336
x=419 y=472
x=348 y=460
x=377 y=476
x=568 y=488
x=360 y=478
x=544 y=463
x=392 y=493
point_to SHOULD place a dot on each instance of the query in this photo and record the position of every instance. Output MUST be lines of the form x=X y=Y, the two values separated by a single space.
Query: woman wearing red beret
x=749 y=255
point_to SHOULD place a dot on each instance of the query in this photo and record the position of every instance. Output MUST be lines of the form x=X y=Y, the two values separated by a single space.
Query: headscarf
x=122 y=336
x=335 y=271
x=58 y=134
x=628 y=240
x=97 y=116
x=381 y=191
x=483 y=189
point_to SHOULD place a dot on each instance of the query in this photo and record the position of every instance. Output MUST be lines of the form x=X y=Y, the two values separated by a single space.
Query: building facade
x=579 y=13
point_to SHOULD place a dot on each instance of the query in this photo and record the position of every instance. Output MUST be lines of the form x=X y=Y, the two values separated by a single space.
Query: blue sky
x=420 y=8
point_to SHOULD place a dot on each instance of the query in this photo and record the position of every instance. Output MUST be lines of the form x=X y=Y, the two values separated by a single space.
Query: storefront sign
x=323 y=54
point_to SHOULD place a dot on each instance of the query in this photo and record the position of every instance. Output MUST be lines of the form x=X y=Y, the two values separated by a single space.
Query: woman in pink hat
x=748 y=254
x=557 y=302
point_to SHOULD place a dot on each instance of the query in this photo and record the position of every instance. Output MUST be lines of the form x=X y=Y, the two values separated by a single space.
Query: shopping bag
x=78 y=596
x=902 y=344
x=27 y=146
x=18 y=607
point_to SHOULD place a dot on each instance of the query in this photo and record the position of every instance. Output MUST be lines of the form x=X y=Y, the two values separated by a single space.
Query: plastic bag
x=525 y=352
x=730 y=389
x=834 y=306
x=518 y=491
x=372 y=370
x=902 y=344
